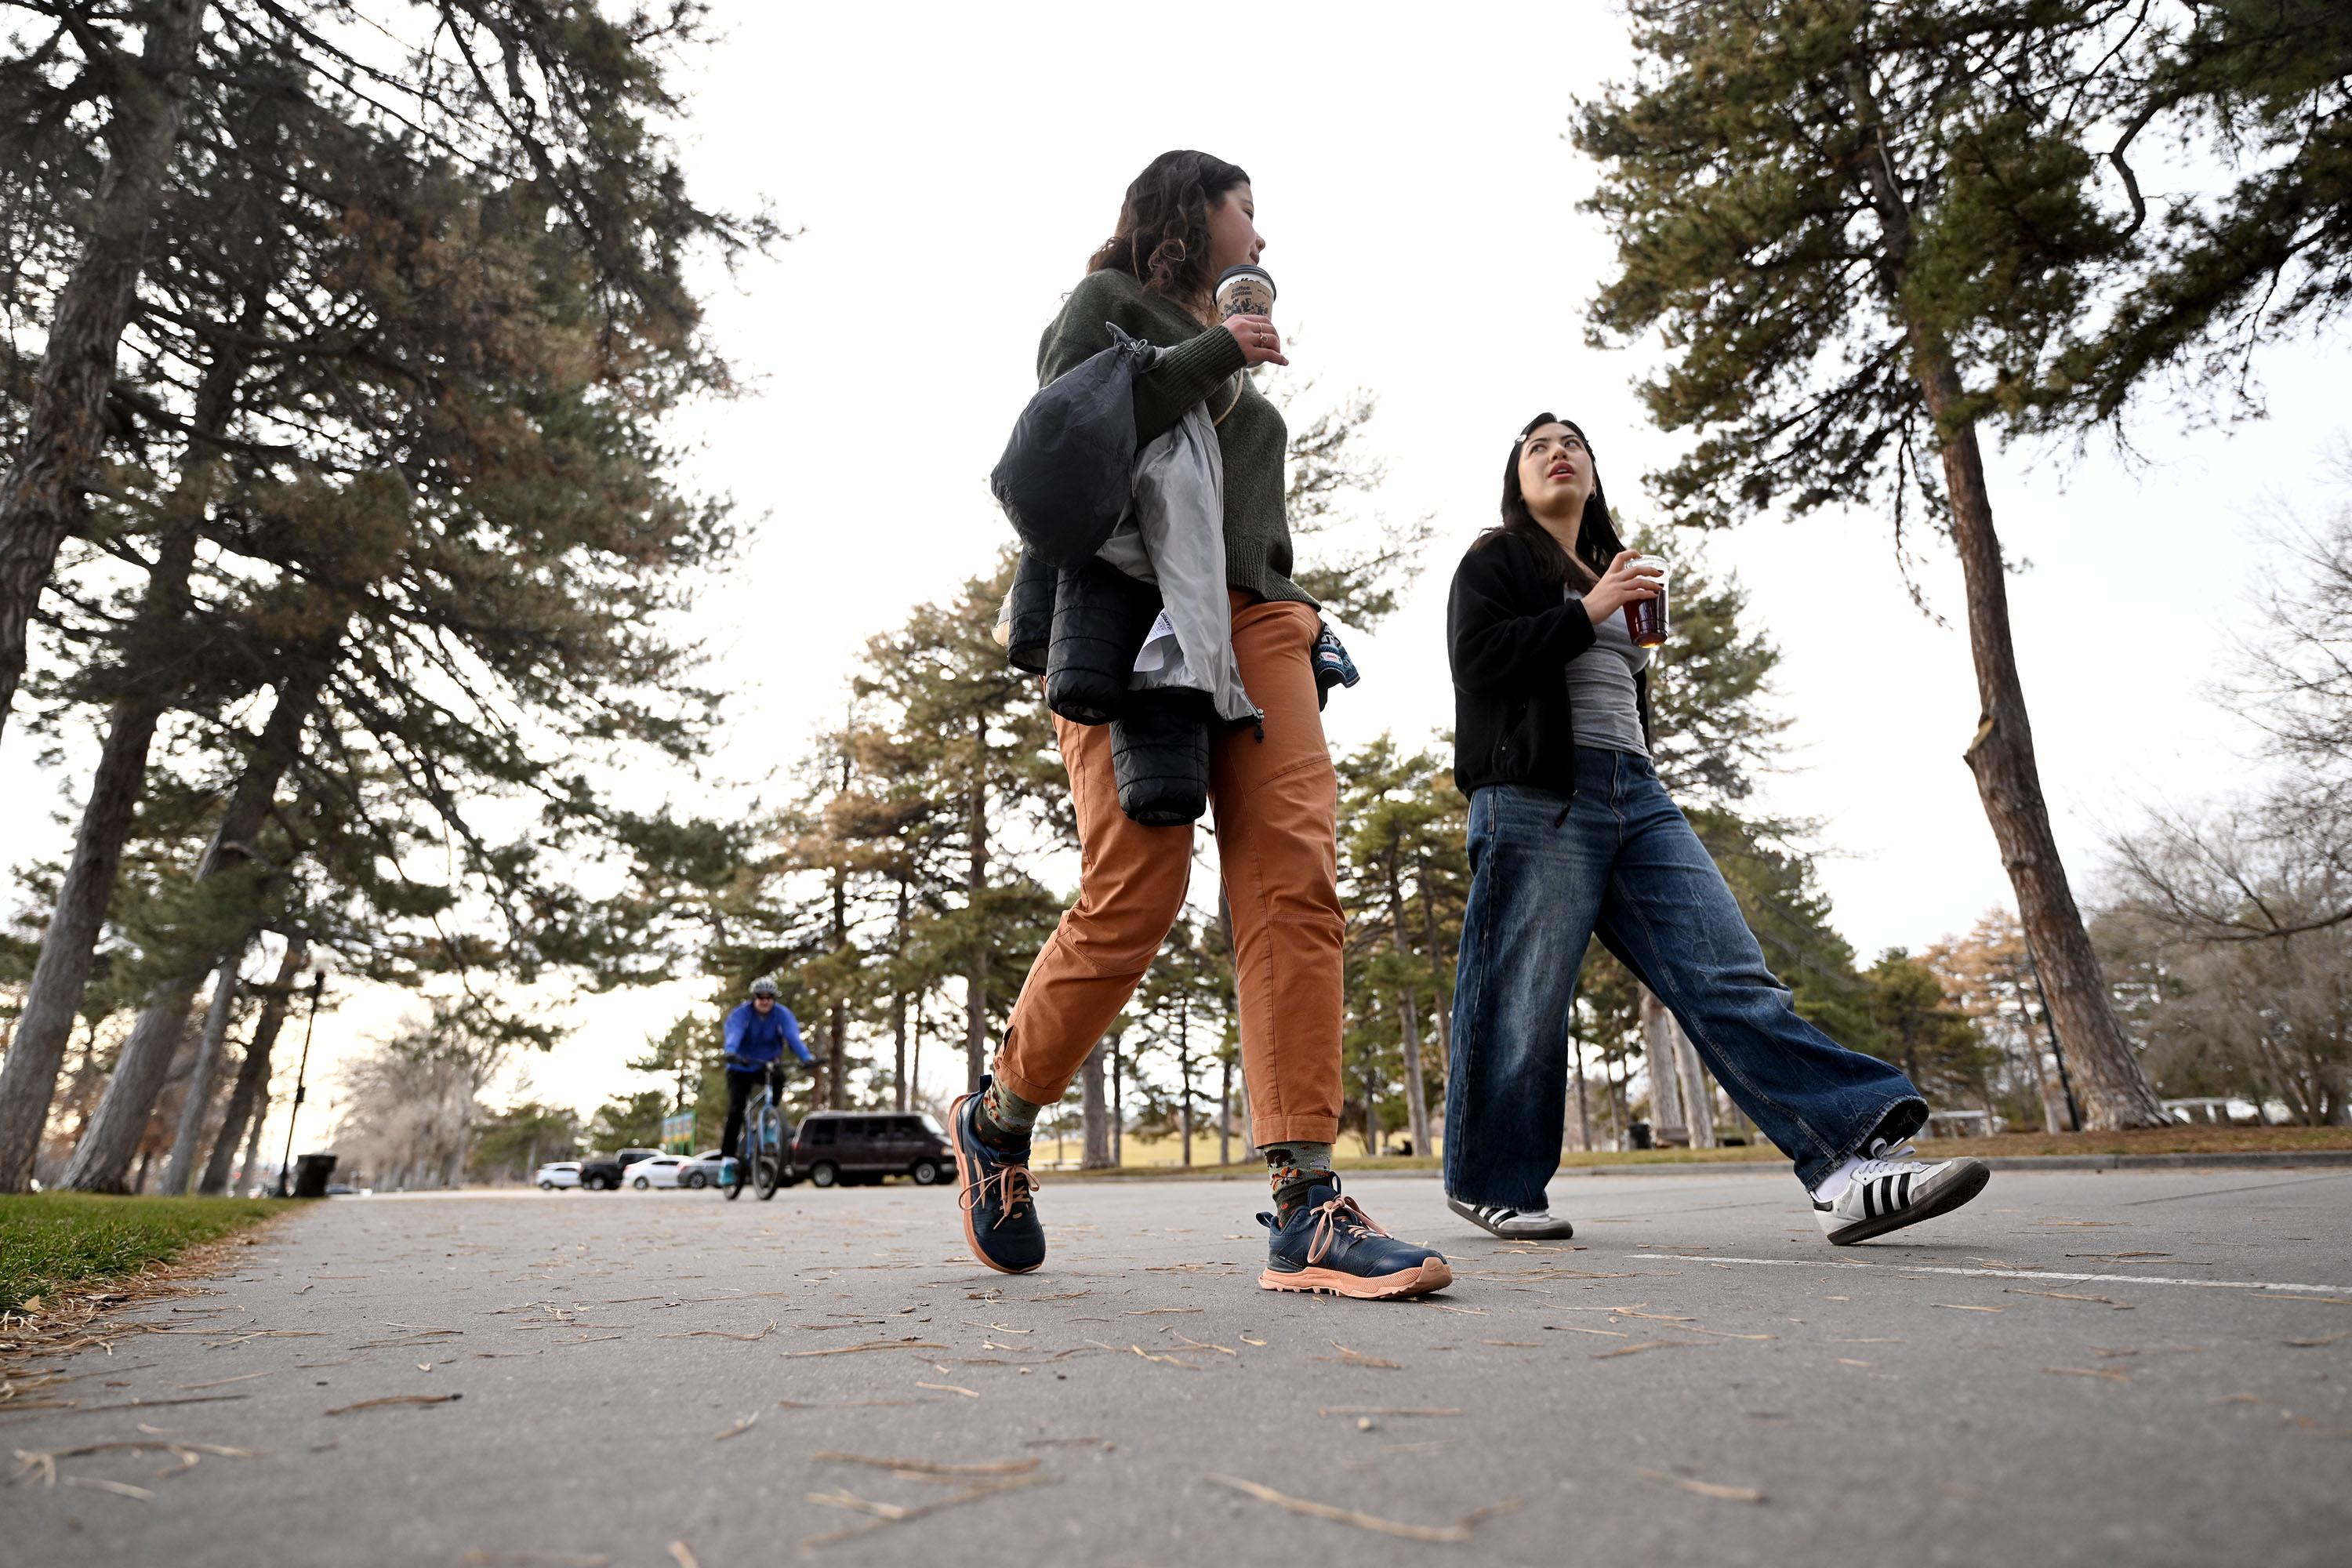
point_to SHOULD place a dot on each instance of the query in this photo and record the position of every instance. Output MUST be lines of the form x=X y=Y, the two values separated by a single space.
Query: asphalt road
x=2079 y=1367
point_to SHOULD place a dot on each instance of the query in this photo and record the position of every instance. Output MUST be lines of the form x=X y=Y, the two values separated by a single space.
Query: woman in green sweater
x=1186 y=219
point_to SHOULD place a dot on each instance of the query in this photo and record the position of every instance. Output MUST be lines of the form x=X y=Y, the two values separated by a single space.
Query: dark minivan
x=844 y=1148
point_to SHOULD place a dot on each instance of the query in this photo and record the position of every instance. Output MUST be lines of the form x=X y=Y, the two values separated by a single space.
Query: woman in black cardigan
x=1571 y=836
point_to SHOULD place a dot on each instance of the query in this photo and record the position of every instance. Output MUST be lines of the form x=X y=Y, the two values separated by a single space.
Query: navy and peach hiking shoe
x=999 y=1204
x=1886 y=1192
x=1332 y=1245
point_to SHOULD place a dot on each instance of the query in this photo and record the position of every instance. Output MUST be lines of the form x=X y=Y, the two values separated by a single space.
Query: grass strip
x=51 y=1241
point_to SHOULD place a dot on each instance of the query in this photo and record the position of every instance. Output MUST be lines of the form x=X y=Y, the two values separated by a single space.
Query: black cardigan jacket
x=1508 y=637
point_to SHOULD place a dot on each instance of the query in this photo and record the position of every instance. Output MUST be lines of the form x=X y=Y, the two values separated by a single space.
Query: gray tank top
x=1601 y=692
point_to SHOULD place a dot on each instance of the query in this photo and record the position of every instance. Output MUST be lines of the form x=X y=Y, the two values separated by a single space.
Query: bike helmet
x=764 y=986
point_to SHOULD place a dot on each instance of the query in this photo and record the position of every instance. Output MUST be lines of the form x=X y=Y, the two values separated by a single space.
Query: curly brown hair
x=1162 y=236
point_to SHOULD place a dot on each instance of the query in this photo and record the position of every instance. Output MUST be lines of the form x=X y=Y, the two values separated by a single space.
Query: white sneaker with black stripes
x=1514 y=1225
x=1886 y=1192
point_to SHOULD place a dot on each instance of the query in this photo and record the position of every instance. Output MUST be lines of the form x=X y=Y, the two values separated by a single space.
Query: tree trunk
x=1621 y=1087
x=915 y=1057
x=249 y=1174
x=44 y=497
x=898 y=1048
x=2053 y=1117
x=248 y=1099
x=837 y=1024
x=898 y=1012
x=1440 y=1020
x=198 y=1100
x=2008 y=782
x=836 y=1057
x=975 y=979
x=2001 y=756
x=1184 y=1076
x=1583 y=1110
x=101 y=1161
x=28 y=1077
x=1669 y=1124
x=1225 y=1110
x=119 y=1123
x=1698 y=1098
x=1234 y=1002
x=1416 y=1108
x=1094 y=1118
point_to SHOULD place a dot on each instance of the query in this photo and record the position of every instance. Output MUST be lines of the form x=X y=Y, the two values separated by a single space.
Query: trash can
x=311 y=1174
x=1637 y=1133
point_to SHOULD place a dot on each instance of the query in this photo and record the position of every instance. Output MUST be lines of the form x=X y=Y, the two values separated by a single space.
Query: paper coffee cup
x=1245 y=290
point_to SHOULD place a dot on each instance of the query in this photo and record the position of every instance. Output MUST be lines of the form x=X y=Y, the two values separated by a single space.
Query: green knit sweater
x=1203 y=363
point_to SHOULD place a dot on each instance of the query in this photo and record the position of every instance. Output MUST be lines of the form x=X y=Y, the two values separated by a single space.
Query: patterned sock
x=1294 y=1168
x=1003 y=1119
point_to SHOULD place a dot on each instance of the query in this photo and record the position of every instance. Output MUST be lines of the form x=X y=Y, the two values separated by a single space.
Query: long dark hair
x=1597 y=543
x=1162 y=236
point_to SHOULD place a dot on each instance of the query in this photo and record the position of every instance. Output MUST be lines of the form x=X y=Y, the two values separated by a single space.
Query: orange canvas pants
x=1277 y=807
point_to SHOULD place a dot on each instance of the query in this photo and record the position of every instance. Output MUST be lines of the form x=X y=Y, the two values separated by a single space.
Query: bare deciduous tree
x=412 y=1102
x=2233 y=923
x=2229 y=933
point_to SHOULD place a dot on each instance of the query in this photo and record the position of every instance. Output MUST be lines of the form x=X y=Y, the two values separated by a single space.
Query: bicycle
x=763 y=1154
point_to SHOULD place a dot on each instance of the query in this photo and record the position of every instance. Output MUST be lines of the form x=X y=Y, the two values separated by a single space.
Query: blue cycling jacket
x=759 y=1039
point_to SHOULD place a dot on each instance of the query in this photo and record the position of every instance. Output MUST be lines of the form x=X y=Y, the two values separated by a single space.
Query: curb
x=2242 y=1160
x=2239 y=1160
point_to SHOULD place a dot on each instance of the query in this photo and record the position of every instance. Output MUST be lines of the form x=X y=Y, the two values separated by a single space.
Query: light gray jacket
x=1173 y=536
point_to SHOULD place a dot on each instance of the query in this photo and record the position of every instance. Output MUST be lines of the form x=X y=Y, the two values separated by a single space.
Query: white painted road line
x=1999 y=1273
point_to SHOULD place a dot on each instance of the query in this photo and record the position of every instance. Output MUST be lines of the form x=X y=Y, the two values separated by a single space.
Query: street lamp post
x=318 y=984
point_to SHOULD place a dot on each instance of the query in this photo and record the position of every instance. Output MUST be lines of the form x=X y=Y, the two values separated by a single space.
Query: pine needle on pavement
x=1448 y=1533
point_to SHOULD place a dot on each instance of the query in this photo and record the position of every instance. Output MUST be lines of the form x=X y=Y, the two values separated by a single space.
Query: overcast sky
x=950 y=169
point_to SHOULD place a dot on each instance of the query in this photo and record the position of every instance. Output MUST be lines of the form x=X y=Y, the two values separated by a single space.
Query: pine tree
x=976 y=732
x=1402 y=865
x=1863 y=230
x=558 y=105
x=1922 y=1031
x=455 y=562
x=142 y=98
x=1355 y=564
x=1180 y=1021
x=2264 y=87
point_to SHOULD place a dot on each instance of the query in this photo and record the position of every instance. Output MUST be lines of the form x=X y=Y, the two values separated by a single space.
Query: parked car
x=560 y=1174
x=703 y=1170
x=655 y=1171
x=842 y=1147
x=603 y=1170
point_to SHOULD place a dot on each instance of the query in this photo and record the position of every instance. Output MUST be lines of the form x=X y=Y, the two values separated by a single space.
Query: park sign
x=677 y=1132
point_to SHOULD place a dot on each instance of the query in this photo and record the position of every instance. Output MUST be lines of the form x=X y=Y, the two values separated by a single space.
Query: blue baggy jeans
x=1620 y=860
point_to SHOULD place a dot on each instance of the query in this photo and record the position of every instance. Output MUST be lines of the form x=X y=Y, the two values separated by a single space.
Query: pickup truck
x=603 y=1171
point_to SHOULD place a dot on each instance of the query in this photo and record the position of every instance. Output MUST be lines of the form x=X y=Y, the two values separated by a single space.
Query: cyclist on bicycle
x=757 y=1032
